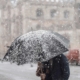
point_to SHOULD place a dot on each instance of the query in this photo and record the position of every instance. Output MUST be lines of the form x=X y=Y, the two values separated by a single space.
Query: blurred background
x=18 y=17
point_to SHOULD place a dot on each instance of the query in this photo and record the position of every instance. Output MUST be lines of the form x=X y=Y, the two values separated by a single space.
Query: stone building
x=18 y=17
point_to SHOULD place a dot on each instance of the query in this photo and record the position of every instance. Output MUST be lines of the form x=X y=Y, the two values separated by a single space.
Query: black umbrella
x=37 y=45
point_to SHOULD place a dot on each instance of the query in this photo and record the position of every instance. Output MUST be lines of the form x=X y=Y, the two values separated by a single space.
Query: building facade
x=18 y=17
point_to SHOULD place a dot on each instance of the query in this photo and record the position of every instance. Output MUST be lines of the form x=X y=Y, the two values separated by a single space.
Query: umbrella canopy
x=37 y=45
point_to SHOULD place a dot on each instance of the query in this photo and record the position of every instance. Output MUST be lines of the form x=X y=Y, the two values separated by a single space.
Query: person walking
x=56 y=68
x=60 y=68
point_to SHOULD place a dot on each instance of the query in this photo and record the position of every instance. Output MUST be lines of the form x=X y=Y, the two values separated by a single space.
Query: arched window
x=53 y=12
x=66 y=14
x=39 y=12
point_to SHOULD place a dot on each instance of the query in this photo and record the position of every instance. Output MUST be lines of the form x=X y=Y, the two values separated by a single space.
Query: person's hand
x=43 y=76
x=39 y=64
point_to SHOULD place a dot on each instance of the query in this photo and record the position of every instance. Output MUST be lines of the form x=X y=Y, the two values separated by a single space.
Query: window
x=53 y=13
x=66 y=14
x=39 y=12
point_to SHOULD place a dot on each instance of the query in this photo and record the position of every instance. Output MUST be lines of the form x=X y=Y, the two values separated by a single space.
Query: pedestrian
x=60 y=68
x=56 y=68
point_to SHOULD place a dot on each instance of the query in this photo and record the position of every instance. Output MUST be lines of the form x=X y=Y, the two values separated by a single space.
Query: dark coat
x=46 y=70
x=60 y=68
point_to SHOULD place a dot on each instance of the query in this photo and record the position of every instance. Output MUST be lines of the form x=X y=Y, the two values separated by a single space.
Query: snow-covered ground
x=26 y=72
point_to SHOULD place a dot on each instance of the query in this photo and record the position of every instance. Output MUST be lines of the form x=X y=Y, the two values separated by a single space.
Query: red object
x=73 y=56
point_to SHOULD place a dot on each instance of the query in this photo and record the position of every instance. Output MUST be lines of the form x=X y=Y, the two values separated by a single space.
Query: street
x=10 y=71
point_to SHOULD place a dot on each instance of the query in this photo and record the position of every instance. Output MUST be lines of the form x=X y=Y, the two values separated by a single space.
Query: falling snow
x=37 y=45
